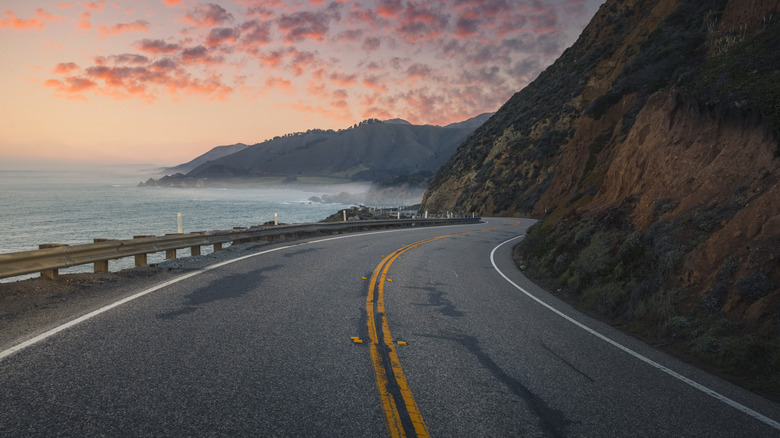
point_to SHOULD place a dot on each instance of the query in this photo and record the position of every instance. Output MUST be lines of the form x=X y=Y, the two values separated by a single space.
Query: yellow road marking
x=375 y=307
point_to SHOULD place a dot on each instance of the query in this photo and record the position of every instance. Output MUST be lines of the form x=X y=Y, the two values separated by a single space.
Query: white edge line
x=34 y=340
x=644 y=359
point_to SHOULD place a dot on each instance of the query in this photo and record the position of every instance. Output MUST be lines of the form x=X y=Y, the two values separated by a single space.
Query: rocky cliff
x=649 y=150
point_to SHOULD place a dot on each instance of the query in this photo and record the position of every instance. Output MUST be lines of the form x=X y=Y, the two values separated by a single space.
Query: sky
x=163 y=81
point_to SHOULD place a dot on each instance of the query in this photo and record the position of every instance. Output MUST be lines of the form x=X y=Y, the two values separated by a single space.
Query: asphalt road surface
x=415 y=332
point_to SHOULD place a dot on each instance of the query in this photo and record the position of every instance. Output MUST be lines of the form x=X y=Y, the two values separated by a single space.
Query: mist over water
x=75 y=206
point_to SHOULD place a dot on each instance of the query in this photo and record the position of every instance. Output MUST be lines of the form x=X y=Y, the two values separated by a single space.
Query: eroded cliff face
x=649 y=152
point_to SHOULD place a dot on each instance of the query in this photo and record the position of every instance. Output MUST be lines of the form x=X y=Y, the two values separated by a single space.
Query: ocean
x=75 y=206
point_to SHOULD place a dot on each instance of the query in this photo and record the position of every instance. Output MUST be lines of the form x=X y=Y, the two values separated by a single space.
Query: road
x=416 y=332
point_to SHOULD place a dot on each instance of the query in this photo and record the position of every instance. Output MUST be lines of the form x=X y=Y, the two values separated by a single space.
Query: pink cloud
x=302 y=61
x=343 y=79
x=156 y=46
x=39 y=22
x=304 y=25
x=389 y=8
x=130 y=58
x=65 y=68
x=545 y=21
x=317 y=90
x=20 y=24
x=276 y=82
x=221 y=35
x=254 y=33
x=419 y=23
x=95 y=6
x=272 y=59
x=419 y=71
x=71 y=87
x=362 y=16
x=122 y=82
x=375 y=84
x=207 y=16
x=65 y=5
x=402 y=58
x=84 y=23
x=338 y=114
x=46 y=16
x=201 y=55
x=118 y=29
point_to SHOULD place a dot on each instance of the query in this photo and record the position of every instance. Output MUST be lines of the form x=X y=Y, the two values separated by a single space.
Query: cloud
x=222 y=35
x=254 y=33
x=46 y=16
x=304 y=25
x=419 y=71
x=389 y=8
x=342 y=79
x=144 y=81
x=420 y=60
x=371 y=44
x=38 y=23
x=118 y=29
x=338 y=114
x=156 y=46
x=71 y=87
x=375 y=83
x=84 y=23
x=271 y=60
x=12 y=22
x=417 y=23
x=467 y=27
x=350 y=35
x=207 y=16
x=279 y=83
x=65 y=68
x=130 y=58
x=200 y=55
x=95 y=6
x=545 y=20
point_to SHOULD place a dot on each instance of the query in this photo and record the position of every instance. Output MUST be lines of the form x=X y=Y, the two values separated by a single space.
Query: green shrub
x=754 y=286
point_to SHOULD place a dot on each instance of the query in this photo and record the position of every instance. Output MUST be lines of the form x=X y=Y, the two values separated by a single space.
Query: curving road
x=418 y=332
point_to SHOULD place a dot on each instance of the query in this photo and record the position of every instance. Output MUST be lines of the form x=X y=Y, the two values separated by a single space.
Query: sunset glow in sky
x=162 y=81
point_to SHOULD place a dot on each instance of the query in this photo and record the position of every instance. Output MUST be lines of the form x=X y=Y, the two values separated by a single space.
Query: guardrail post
x=170 y=253
x=141 y=259
x=218 y=246
x=195 y=250
x=54 y=273
x=101 y=265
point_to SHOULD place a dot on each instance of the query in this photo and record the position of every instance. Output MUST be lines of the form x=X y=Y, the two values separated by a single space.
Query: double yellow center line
x=401 y=412
x=398 y=403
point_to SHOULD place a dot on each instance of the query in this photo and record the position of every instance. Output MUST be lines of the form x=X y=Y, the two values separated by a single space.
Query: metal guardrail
x=50 y=258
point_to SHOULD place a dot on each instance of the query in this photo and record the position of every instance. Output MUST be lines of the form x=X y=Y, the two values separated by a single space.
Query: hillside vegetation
x=649 y=152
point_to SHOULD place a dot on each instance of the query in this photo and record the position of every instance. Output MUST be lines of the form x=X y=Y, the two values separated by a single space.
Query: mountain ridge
x=371 y=150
